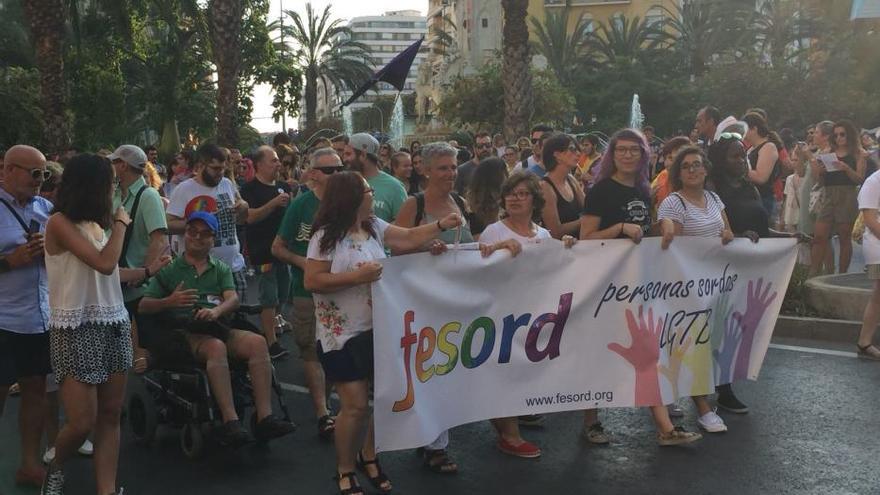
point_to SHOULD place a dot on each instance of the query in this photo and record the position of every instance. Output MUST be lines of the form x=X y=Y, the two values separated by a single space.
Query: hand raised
x=644 y=352
x=725 y=354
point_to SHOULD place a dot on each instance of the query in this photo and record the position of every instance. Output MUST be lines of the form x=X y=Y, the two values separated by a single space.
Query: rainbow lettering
x=427 y=341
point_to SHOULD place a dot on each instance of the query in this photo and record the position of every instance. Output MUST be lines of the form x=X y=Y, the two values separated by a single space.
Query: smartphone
x=34 y=227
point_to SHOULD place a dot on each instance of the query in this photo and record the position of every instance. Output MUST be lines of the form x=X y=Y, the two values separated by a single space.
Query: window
x=485 y=22
x=654 y=16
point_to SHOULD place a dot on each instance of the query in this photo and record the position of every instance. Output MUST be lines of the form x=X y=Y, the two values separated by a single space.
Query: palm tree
x=564 y=50
x=697 y=27
x=516 y=69
x=777 y=26
x=225 y=18
x=623 y=40
x=326 y=51
x=46 y=21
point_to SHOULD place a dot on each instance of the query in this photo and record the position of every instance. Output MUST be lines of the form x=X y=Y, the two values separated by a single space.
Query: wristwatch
x=4 y=265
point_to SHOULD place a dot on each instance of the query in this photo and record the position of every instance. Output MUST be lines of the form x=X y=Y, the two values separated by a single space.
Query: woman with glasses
x=619 y=206
x=385 y=152
x=838 y=207
x=692 y=210
x=342 y=262
x=564 y=197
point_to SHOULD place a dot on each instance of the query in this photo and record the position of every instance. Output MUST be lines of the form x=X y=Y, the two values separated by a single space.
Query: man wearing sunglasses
x=535 y=162
x=267 y=197
x=290 y=246
x=482 y=150
x=24 y=297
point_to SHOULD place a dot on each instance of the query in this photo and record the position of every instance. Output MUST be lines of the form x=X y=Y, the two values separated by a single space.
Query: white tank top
x=80 y=294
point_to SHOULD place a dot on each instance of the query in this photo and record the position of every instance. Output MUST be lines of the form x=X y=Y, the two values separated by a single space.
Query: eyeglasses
x=518 y=195
x=329 y=170
x=36 y=173
x=199 y=234
x=630 y=150
x=692 y=167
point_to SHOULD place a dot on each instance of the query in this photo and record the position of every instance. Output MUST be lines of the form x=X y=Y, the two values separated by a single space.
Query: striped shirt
x=695 y=221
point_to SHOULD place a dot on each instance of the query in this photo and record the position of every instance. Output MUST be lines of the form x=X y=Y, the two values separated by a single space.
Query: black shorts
x=165 y=337
x=23 y=355
x=351 y=363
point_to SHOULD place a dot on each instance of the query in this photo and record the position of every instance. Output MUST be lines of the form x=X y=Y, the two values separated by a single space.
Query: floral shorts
x=91 y=352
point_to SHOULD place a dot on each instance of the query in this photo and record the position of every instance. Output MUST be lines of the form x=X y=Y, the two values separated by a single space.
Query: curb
x=818 y=329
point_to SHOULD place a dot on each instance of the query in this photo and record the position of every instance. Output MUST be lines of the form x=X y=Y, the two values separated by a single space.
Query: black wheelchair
x=177 y=394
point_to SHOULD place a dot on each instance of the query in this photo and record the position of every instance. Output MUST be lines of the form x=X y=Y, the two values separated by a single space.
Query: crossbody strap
x=24 y=226
x=128 y=232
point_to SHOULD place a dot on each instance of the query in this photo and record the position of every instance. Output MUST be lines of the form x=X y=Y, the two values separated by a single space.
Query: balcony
x=583 y=3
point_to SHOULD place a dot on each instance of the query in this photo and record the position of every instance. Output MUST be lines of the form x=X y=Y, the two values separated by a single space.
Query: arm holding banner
x=399 y=239
x=590 y=229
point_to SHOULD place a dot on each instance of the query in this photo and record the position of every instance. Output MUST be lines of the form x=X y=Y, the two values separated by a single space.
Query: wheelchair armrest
x=250 y=309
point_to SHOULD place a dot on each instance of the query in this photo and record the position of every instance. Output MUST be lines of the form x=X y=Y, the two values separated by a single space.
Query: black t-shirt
x=261 y=234
x=614 y=203
x=744 y=209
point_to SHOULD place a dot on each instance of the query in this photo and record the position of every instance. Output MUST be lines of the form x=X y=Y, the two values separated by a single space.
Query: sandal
x=438 y=461
x=326 y=427
x=354 y=488
x=380 y=479
x=869 y=351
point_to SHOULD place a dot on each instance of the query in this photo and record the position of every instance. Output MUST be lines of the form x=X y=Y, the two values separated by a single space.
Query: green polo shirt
x=210 y=285
x=150 y=217
x=296 y=231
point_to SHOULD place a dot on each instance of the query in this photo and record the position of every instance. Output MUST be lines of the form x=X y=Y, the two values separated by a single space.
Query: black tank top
x=766 y=189
x=839 y=177
x=568 y=211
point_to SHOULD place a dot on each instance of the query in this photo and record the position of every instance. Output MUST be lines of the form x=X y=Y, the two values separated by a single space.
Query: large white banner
x=459 y=338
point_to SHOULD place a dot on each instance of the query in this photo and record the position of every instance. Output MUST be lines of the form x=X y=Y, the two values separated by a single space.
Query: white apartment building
x=386 y=35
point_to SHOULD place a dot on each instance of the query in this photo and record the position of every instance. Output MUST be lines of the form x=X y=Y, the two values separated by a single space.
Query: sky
x=345 y=9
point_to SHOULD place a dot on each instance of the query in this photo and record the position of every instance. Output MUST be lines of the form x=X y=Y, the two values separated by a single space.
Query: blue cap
x=209 y=219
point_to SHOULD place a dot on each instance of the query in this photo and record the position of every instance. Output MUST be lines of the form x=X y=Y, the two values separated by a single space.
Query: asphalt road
x=812 y=430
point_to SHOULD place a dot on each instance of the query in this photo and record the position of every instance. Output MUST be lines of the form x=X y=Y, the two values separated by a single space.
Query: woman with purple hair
x=619 y=206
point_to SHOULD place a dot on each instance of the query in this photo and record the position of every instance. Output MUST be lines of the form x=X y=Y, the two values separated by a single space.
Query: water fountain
x=346 y=121
x=636 y=117
x=395 y=130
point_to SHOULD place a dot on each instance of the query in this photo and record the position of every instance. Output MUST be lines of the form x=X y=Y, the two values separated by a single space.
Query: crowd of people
x=112 y=261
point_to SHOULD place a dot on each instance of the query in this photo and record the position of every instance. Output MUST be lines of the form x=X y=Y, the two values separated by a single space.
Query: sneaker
x=273 y=427
x=729 y=402
x=712 y=423
x=53 y=483
x=526 y=450
x=531 y=420
x=678 y=436
x=595 y=434
x=277 y=350
x=870 y=352
x=49 y=456
x=232 y=434
x=675 y=411
x=14 y=390
x=30 y=478
x=86 y=448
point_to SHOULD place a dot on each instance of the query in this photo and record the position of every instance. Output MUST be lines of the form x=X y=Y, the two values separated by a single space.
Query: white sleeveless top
x=80 y=294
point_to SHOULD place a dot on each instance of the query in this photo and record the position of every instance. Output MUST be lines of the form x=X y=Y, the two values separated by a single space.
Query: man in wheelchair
x=190 y=303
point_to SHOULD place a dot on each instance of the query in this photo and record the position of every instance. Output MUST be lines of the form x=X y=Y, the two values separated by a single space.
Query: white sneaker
x=49 y=456
x=712 y=423
x=85 y=449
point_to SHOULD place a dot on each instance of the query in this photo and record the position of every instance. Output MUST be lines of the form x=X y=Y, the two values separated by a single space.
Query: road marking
x=814 y=350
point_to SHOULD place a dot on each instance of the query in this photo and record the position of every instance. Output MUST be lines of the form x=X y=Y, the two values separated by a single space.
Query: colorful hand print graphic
x=725 y=354
x=676 y=358
x=643 y=354
x=699 y=361
x=757 y=303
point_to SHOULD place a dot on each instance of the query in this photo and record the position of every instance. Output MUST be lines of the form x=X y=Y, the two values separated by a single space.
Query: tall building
x=471 y=37
x=386 y=35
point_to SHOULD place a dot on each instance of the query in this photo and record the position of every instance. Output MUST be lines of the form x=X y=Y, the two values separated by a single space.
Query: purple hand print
x=757 y=303
x=727 y=350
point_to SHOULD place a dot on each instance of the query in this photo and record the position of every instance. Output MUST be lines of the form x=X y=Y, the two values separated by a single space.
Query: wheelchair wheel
x=143 y=418
x=192 y=441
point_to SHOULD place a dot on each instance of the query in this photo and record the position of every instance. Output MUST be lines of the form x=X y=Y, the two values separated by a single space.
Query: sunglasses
x=329 y=170
x=731 y=135
x=484 y=145
x=36 y=173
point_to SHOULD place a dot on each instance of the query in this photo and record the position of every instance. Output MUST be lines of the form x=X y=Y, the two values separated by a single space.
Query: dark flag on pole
x=394 y=73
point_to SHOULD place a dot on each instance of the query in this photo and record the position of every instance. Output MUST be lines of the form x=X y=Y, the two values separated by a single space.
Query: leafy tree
x=564 y=49
x=19 y=99
x=326 y=52
x=698 y=31
x=624 y=40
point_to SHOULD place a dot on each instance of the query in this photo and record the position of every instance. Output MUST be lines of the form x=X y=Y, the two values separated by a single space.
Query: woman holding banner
x=691 y=210
x=341 y=264
x=619 y=206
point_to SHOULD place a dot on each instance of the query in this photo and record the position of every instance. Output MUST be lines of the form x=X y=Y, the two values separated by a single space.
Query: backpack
x=420 y=207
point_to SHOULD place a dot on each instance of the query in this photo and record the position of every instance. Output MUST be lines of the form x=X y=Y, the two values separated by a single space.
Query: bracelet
x=120 y=221
x=440 y=226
